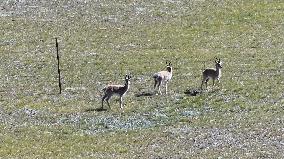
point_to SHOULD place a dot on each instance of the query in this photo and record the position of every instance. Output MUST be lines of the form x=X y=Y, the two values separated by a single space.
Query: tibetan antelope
x=119 y=90
x=214 y=74
x=163 y=77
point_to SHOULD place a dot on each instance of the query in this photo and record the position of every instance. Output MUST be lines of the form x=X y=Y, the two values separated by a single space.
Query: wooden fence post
x=58 y=66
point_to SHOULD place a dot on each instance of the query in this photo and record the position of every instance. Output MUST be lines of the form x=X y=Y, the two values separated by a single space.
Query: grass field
x=101 y=41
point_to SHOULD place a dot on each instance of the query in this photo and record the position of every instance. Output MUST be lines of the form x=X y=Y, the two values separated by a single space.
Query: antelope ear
x=219 y=60
x=170 y=63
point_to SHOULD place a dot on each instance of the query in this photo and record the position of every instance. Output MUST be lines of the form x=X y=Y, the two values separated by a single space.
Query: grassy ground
x=101 y=41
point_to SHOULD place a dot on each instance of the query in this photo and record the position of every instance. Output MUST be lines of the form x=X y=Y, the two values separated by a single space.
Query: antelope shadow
x=192 y=92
